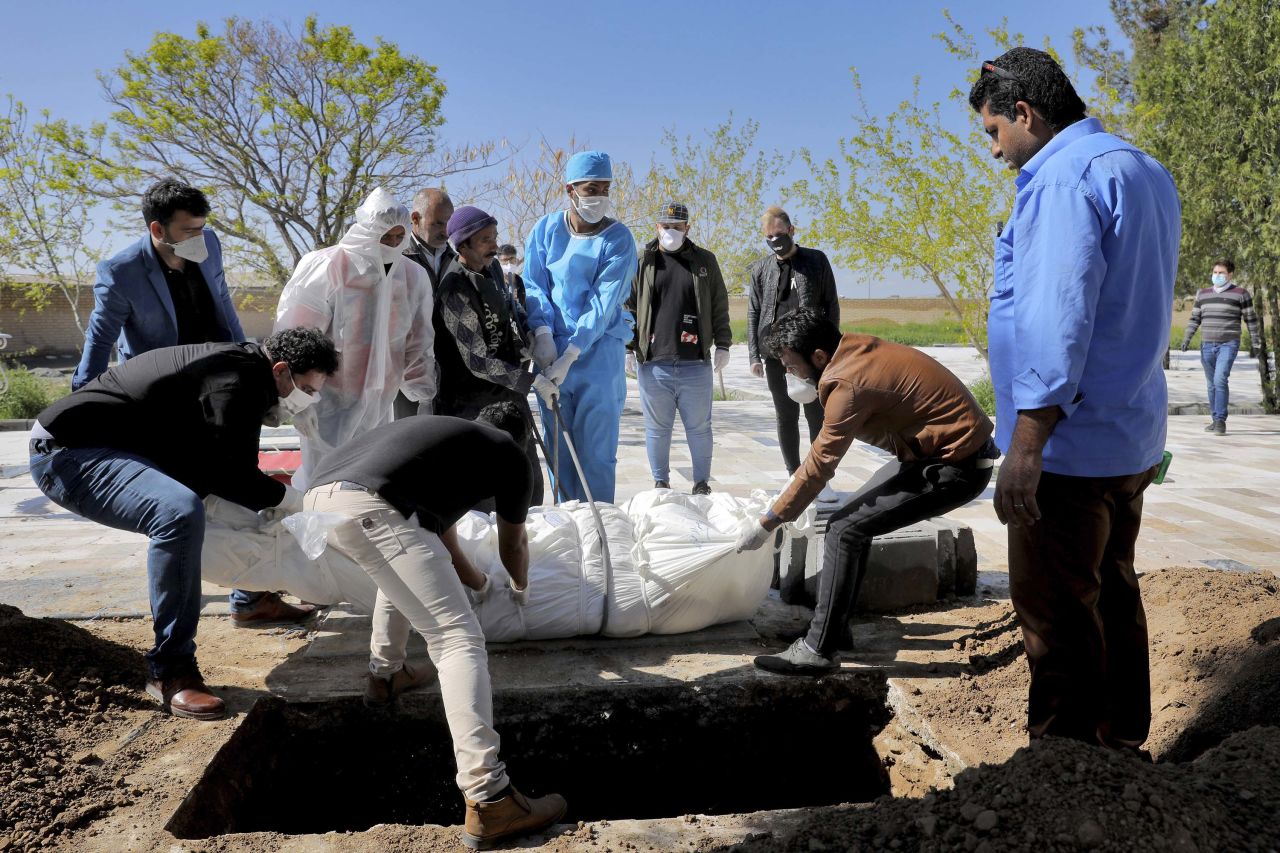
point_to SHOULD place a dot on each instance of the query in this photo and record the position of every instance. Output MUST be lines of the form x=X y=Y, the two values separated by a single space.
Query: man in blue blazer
x=168 y=289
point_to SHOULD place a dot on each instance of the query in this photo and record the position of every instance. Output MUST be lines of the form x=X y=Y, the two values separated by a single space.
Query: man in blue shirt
x=1078 y=329
x=578 y=267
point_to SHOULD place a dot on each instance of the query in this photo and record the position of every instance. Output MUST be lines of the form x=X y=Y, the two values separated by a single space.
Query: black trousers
x=899 y=494
x=787 y=412
x=1073 y=585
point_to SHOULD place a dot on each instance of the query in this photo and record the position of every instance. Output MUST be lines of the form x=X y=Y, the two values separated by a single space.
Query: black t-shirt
x=675 y=310
x=193 y=306
x=438 y=467
x=194 y=412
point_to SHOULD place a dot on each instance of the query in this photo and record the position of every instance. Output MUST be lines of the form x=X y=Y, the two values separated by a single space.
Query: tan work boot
x=380 y=692
x=514 y=814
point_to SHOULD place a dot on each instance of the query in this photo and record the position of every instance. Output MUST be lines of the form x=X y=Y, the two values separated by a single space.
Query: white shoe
x=827 y=495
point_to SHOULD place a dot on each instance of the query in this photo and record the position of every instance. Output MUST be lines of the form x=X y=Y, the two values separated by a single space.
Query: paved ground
x=1216 y=508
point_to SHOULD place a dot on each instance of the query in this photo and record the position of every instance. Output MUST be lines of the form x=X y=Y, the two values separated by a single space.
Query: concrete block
x=921 y=564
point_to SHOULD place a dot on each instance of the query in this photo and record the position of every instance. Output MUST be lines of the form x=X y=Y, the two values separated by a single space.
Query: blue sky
x=617 y=73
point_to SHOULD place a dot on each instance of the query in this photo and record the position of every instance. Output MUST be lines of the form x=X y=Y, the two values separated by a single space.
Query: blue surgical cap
x=588 y=166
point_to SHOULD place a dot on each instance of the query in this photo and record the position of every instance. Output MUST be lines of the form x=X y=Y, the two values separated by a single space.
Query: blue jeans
x=665 y=388
x=1217 y=360
x=125 y=491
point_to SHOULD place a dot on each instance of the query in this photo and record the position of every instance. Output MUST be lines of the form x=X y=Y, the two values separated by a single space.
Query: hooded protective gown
x=576 y=286
x=380 y=320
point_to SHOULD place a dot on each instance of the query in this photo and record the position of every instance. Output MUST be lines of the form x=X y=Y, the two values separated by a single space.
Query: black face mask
x=780 y=243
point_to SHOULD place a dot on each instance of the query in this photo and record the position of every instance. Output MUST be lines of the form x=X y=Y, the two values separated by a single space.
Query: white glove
x=632 y=364
x=520 y=596
x=477 y=596
x=546 y=389
x=426 y=407
x=752 y=537
x=720 y=360
x=558 y=371
x=543 y=349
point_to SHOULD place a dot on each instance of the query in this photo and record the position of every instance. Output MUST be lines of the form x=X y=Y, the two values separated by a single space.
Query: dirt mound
x=1061 y=795
x=1215 y=668
x=62 y=691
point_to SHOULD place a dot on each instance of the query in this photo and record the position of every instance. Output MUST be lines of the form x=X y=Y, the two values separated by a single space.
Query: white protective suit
x=380 y=321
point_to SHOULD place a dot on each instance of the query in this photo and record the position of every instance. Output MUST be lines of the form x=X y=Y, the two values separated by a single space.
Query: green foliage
x=286 y=131
x=985 y=393
x=28 y=395
x=45 y=215
x=726 y=183
x=1207 y=83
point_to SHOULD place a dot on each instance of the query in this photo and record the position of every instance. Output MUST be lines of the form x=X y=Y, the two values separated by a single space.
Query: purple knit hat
x=466 y=221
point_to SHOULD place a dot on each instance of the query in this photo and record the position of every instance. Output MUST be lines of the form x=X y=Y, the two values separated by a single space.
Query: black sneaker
x=1219 y=427
x=701 y=488
x=661 y=484
x=1211 y=426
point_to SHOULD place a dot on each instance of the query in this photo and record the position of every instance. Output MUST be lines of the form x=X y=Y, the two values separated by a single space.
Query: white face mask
x=509 y=269
x=297 y=401
x=390 y=254
x=592 y=208
x=670 y=239
x=802 y=391
x=194 y=250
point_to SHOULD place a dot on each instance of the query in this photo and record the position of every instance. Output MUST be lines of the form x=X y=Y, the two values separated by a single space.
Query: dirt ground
x=76 y=733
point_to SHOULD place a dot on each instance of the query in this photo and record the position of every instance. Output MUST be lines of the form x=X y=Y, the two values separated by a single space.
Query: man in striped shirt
x=1217 y=314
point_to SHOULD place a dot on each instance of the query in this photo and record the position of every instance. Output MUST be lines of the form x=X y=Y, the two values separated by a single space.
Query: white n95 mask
x=670 y=239
x=194 y=250
x=593 y=208
x=802 y=391
x=298 y=401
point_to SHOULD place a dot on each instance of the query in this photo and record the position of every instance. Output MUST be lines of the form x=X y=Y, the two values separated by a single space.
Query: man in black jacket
x=139 y=448
x=789 y=278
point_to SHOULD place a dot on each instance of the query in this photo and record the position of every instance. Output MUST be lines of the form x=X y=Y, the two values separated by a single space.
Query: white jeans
x=415 y=577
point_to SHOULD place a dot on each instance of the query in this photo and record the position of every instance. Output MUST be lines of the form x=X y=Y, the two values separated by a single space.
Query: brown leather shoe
x=489 y=823
x=271 y=609
x=186 y=695
x=380 y=692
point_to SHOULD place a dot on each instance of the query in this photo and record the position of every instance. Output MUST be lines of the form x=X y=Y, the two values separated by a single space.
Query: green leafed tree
x=46 y=215
x=287 y=132
x=727 y=182
x=1207 y=90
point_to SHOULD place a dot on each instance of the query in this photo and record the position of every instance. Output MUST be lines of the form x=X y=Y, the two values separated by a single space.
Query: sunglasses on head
x=998 y=71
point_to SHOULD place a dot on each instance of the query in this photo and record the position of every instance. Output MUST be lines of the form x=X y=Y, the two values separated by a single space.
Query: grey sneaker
x=1219 y=427
x=1211 y=426
x=799 y=659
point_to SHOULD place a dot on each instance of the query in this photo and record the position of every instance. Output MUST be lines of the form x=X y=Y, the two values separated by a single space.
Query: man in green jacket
x=681 y=309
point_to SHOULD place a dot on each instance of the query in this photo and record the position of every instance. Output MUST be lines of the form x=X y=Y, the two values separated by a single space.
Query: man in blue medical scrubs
x=578 y=267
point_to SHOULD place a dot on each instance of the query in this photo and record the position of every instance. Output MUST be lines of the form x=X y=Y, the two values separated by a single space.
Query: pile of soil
x=1215 y=668
x=63 y=692
x=1059 y=795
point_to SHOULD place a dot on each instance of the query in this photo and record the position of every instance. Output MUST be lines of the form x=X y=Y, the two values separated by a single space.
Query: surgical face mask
x=389 y=253
x=1219 y=279
x=509 y=269
x=803 y=391
x=194 y=250
x=297 y=401
x=670 y=239
x=780 y=243
x=592 y=208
